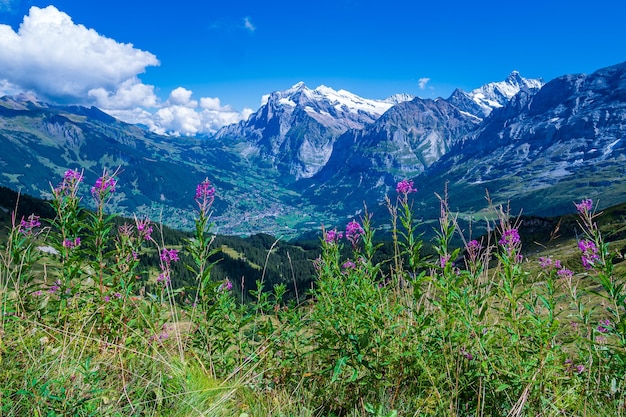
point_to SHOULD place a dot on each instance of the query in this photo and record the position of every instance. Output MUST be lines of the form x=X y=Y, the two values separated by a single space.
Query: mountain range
x=309 y=157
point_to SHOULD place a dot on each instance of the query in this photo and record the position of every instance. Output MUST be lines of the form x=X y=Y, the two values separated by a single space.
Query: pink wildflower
x=405 y=187
x=353 y=232
x=584 y=206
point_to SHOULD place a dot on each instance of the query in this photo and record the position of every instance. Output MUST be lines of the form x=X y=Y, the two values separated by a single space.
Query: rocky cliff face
x=565 y=142
x=295 y=130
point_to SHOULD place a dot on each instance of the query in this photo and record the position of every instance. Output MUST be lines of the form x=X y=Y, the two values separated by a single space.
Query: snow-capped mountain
x=310 y=157
x=545 y=149
x=295 y=129
x=482 y=100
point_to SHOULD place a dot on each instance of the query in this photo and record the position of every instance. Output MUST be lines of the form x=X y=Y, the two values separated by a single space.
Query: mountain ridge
x=311 y=157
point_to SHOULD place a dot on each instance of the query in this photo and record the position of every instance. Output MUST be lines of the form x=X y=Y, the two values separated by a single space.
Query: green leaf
x=502 y=387
x=341 y=362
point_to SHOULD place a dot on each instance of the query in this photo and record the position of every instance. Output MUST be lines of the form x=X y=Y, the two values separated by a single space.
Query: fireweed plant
x=477 y=330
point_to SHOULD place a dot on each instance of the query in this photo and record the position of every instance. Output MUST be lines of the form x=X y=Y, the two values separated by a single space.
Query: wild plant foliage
x=478 y=330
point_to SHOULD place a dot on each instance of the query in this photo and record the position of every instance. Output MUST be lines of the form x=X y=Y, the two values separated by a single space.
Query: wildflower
x=225 y=286
x=545 y=262
x=169 y=255
x=69 y=185
x=604 y=326
x=589 y=253
x=163 y=278
x=473 y=248
x=565 y=273
x=103 y=188
x=72 y=175
x=333 y=236
x=104 y=184
x=27 y=225
x=69 y=243
x=117 y=295
x=405 y=187
x=205 y=191
x=107 y=298
x=584 y=206
x=466 y=354
x=348 y=265
x=580 y=368
x=510 y=240
x=317 y=263
x=443 y=260
x=55 y=287
x=353 y=232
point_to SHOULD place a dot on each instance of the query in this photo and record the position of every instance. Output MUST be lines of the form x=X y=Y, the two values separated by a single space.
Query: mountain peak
x=497 y=94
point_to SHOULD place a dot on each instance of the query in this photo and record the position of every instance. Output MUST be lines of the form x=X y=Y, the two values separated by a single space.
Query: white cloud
x=128 y=94
x=248 y=24
x=181 y=115
x=422 y=82
x=61 y=60
x=64 y=62
x=182 y=97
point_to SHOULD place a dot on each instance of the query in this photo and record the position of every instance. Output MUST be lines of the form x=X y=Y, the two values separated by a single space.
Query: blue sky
x=190 y=66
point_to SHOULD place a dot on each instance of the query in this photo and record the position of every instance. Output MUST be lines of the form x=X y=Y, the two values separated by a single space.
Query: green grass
x=410 y=328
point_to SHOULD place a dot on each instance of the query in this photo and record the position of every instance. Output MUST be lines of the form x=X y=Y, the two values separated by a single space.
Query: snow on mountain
x=337 y=109
x=295 y=129
x=495 y=95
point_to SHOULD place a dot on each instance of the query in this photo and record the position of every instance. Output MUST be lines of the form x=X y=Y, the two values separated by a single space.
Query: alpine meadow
x=328 y=256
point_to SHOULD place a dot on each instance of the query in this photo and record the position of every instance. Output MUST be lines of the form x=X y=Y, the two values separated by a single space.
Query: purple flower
x=205 y=191
x=584 y=206
x=225 y=286
x=333 y=236
x=548 y=263
x=144 y=228
x=473 y=249
x=348 y=265
x=163 y=278
x=27 y=225
x=580 y=368
x=69 y=243
x=72 y=175
x=107 y=298
x=317 y=263
x=589 y=253
x=169 y=255
x=604 y=326
x=565 y=273
x=545 y=262
x=443 y=260
x=405 y=187
x=466 y=354
x=353 y=232
x=69 y=185
x=55 y=287
x=104 y=184
x=510 y=240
